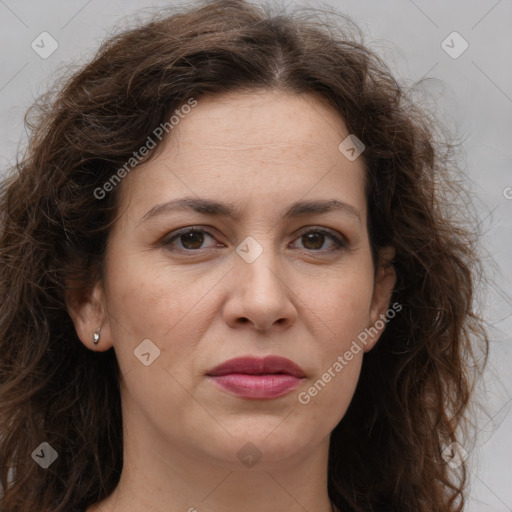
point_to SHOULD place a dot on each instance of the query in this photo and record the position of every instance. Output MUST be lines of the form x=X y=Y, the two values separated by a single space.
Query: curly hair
x=415 y=386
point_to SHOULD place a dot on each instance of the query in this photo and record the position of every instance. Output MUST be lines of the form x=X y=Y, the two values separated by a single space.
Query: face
x=244 y=238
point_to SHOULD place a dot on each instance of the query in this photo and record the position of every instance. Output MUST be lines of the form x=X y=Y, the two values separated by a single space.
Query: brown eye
x=189 y=240
x=192 y=240
x=315 y=240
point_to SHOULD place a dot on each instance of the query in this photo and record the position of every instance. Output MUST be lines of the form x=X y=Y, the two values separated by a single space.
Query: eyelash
x=339 y=242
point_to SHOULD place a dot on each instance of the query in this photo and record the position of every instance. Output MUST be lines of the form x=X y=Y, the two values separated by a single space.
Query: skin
x=301 y=299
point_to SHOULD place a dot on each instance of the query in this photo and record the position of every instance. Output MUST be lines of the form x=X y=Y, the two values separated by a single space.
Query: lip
x=257 y=378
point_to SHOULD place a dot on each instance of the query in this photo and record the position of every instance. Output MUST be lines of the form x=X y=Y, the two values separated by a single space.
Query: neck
x=158 y=478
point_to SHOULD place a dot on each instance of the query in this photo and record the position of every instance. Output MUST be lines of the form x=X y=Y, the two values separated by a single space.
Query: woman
x=231 y=281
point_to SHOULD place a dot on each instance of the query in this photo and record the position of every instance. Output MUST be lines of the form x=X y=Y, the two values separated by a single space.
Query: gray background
x=473 y=95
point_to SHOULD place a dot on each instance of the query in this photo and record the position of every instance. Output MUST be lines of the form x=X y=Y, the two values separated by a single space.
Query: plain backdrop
x=471 y=89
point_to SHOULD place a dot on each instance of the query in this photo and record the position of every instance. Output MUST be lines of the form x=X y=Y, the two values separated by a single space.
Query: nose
x=259 y=295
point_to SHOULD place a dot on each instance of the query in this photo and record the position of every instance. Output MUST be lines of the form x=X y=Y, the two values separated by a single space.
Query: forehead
x=262 y=122
x=251 y=144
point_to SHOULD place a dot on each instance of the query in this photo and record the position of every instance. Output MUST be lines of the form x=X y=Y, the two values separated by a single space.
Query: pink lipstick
x=257 y=378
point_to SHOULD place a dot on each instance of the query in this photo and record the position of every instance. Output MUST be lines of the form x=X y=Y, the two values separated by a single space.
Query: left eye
x=312 y=240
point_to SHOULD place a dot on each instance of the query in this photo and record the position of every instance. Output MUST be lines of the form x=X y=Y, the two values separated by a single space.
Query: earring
x=96 y=336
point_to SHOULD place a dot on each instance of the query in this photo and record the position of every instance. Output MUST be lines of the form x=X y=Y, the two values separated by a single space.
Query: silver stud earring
x=96 y=336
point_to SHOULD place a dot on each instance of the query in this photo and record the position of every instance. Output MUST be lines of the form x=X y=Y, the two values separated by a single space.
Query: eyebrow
x=214 y=208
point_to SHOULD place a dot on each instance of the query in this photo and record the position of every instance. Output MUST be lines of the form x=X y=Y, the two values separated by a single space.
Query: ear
x=385 y=281
x=86 y=307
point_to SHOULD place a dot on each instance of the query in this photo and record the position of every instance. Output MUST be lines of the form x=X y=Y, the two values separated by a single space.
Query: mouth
x=257 y=378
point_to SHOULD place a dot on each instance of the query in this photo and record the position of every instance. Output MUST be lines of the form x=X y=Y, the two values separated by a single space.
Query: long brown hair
x=415 y=385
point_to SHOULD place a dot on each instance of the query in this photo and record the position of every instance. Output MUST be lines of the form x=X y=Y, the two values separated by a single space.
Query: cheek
x=145 y=303
x=327 y=396
x=343 y=304
x=149 y=302
x=143 y=293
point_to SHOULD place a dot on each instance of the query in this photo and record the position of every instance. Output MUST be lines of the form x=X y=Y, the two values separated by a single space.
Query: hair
x=416 y=384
